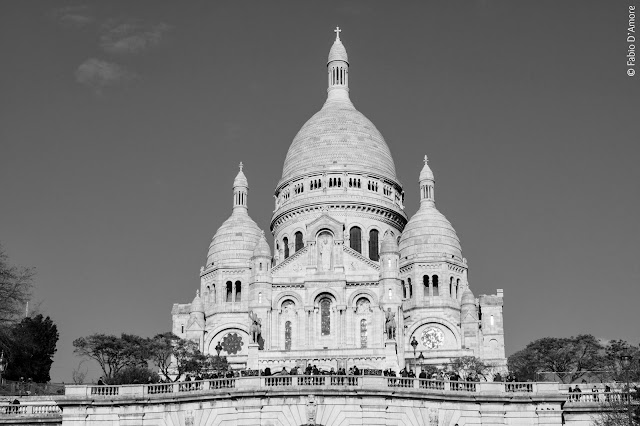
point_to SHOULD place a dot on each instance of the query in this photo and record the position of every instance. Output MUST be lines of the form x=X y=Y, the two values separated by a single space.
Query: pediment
x=325 y=222
x=195 y=324
x=354 y=262
x=294 y=265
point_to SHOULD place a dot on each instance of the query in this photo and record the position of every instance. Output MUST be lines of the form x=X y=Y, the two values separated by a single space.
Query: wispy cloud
x=75 y=16
x=98 y=74
x=131 y=36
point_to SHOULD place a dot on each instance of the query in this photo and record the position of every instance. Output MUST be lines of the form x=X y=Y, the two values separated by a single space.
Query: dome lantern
x=338 y=70
x=240 y=190
x=427 y=183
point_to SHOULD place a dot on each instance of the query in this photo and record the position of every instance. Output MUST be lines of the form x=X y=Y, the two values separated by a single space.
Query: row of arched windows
x=298 y=243
x=338 y=75
x=426 y=191
x=335 y=182
x=354 y=183
x=233 y=292
x=355 y=242
x=431 y=287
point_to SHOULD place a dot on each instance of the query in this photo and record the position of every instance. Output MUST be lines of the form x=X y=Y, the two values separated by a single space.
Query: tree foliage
x=467 y=366
x=31 y=349
x=176 y=357
x=126 y=359
x=113 y=353
x=571 y=359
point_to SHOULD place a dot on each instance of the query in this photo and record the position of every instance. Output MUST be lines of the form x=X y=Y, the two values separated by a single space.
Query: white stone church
x=344 y=253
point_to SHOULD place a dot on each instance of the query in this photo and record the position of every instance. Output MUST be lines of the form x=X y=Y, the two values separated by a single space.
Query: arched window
x=435 y=285
x=425 y=281
x=355 y=239
x=404 y=290
x=457 y=287
x=213 y=293
x=299 y=243
x=238 y=291
x=229 y=291
x=451 y=287
x=325 y=316
x=410 y=287
x=260 y=297
x=285 y=243
x=287 y=336
x=373 y=245
x=363 y=333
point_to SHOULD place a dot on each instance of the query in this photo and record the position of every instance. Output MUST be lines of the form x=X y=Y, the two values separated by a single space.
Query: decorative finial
x=262 y=232
x=425 y=160
x=197 y=293
x=241 y=165
x=337 y=31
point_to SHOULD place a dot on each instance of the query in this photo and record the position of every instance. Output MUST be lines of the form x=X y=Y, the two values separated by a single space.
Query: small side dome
x=468 y=298
x=197 y=305
x=429 y=233
x=389 y=244
x=241 y=179
x=426 y=173
x=262 y=248
x=234 y=242
x=338 y=52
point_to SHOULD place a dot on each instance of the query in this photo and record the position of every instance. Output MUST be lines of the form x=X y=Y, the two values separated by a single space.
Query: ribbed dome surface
x=340 y=138
x=468 y=298
x=262 y=247
x=429 y=233
x=196 y=304
x=389 y=244
x=233 y=243
x=338 y=52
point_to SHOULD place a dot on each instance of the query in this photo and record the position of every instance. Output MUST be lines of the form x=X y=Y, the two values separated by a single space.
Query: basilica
x=349 y=279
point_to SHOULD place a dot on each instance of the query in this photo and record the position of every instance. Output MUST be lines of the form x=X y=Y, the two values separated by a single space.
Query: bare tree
x=15 y=289
x=79 y=374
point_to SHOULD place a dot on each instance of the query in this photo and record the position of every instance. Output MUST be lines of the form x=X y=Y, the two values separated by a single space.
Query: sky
x=122 y=125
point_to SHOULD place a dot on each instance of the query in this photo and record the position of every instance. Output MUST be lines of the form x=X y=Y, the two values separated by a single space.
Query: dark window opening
x=355 y=239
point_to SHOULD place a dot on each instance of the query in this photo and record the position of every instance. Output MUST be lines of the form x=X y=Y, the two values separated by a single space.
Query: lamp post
x=625 y=360
x=414 y=343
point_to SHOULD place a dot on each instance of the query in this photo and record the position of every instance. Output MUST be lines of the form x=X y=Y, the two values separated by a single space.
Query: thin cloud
x=99 y=75
x=74 y=16
x=131 y=36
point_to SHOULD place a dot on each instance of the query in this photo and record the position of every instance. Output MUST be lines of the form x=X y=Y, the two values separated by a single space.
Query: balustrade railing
x=328 y=381
x=518 y=387
x=105 y=390
x=431 y=384
x=26 y=410
x=598 y=397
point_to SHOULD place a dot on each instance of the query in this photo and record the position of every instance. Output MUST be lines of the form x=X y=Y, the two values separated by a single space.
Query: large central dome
x=338 y=138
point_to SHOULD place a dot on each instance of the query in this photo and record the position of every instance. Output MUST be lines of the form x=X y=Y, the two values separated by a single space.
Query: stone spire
x=427 y=184
x=240 y=190
x=338 y=70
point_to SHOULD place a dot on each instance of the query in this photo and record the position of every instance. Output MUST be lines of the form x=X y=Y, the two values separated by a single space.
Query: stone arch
x=363 y=293
x=336 y=297
x=281 y=297
x=212 y=334
x=434 y=320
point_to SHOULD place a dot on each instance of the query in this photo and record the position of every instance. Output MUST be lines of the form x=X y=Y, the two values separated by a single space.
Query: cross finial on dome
x=197 y=293
x=425 y=159
x=337 y=31
x=241 y=165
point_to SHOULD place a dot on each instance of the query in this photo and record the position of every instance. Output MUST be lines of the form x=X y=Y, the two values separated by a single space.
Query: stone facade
x=344 y=255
